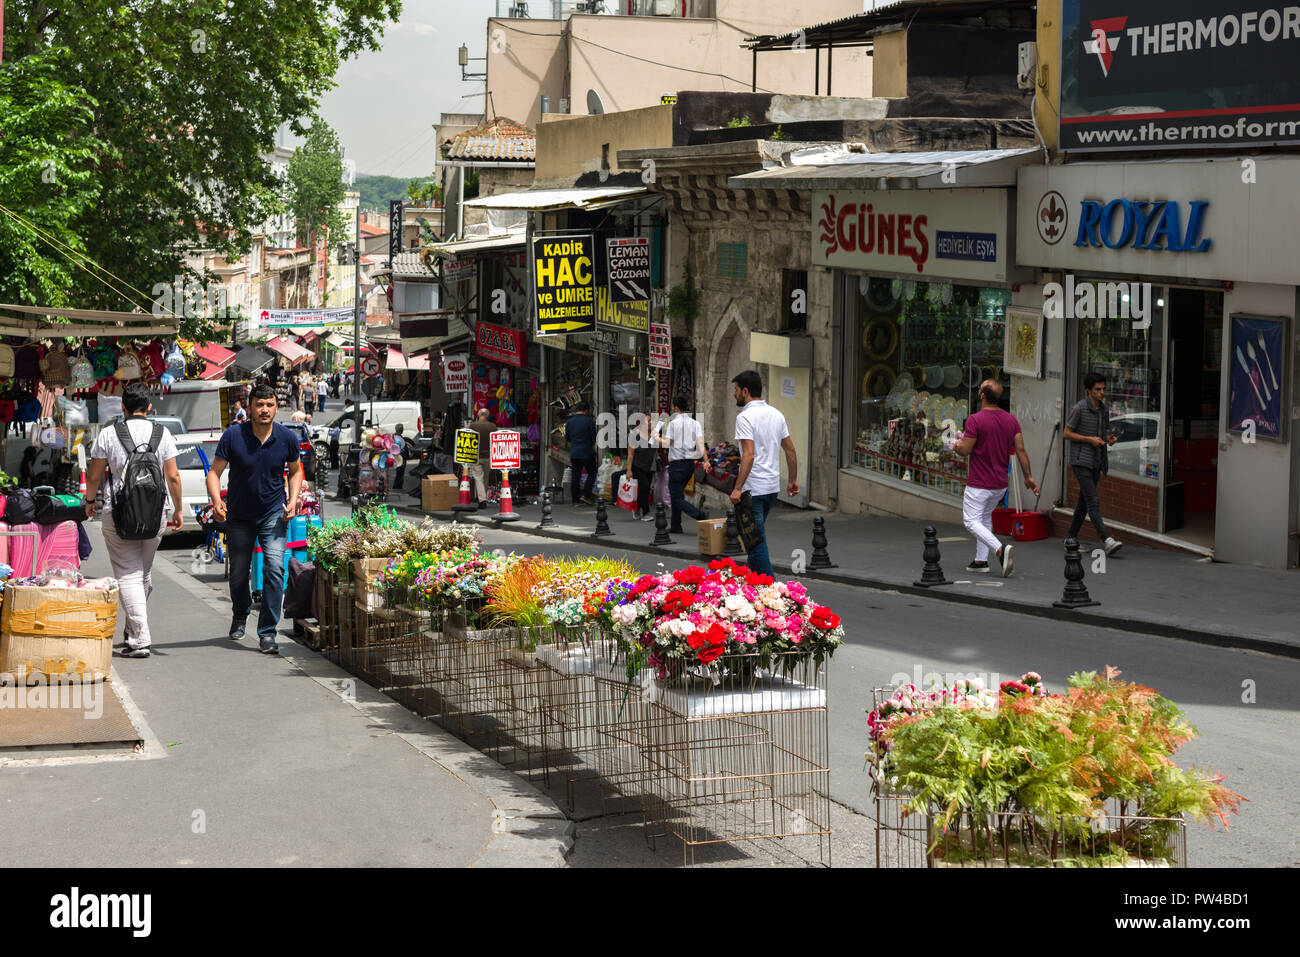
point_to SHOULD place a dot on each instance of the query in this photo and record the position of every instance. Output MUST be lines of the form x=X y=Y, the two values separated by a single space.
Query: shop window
x=733 y=260
x=1131 y=359
x=794 y=298
x=920 y=351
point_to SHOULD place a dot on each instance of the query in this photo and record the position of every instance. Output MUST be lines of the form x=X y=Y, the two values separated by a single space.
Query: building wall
x=493 y=180
x=571 y=146
x=525 y=58
x=889 y=65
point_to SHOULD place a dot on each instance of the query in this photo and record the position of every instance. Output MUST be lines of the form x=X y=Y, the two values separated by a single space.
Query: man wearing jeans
x=685 y=441
x=990 y=438
x=132 y=559
x=761 y=431
x=256 y=510
x=1087 y=426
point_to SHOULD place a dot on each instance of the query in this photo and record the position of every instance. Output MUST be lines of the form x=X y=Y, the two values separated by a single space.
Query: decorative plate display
x=877 y=382
x=951 y=377
x=880 y=338
x=904 y=382
x=933 y=377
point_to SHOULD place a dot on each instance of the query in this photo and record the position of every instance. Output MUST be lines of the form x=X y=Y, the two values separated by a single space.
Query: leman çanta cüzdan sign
x=1151 y=74
x=564 y=278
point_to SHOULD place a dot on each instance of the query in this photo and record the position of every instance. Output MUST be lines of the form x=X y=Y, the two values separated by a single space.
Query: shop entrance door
x=1195 y=322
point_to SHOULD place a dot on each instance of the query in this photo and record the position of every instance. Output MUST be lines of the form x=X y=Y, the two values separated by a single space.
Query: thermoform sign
x=504 y=449
x=564 y=279
x=466 y=446
x=629 y=269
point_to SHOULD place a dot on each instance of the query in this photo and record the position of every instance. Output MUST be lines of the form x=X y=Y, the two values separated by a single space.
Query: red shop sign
x=500 y=344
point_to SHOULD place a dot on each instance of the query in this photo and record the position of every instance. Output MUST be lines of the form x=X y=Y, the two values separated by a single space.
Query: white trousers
x=977 y=507
x=132 y=562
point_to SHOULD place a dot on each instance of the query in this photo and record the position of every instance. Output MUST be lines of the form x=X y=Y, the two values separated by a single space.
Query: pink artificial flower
x=750 y=592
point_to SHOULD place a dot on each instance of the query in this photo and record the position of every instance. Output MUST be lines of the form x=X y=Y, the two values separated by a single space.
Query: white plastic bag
x=627 y=493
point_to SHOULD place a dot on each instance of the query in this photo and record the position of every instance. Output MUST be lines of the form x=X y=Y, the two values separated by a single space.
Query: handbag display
x=52 y=509
x=20 y=507
x=751 y=536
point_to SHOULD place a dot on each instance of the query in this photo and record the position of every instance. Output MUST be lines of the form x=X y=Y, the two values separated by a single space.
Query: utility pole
x=356 y=324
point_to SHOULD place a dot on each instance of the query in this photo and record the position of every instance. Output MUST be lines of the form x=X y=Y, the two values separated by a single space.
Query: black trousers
x=644 y=481
x=1089 y=502
x=679 y=474
x=578 y=488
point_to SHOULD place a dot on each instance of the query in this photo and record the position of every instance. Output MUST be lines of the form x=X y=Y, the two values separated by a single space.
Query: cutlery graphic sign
x=1258 y=376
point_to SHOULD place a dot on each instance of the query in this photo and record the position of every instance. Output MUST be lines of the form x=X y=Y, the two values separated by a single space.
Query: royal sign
x=500 y=344
x=1143 y=225
x=504 y=449
x=944 y=233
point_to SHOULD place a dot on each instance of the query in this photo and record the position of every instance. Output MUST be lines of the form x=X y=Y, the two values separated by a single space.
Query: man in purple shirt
x=990 y=437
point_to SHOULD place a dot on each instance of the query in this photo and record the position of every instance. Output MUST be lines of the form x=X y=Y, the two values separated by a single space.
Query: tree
x=314 y=184
x=47 y=180
x=187 y=97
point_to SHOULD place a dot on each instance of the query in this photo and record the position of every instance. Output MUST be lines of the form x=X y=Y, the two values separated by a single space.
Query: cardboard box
x=438 y=493
x=61 y=634
x=711 y=534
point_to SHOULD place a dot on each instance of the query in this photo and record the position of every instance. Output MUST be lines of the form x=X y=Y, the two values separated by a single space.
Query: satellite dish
x=594 y=106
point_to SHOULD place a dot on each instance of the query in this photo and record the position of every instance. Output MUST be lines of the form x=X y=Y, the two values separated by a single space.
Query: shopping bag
x=690 y=486
x=751 y=536
x=628 y=489
x=662 y=495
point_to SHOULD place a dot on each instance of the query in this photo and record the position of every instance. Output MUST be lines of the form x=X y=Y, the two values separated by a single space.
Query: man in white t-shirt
x=684 y=439
x=132 y=560
x=760 y=432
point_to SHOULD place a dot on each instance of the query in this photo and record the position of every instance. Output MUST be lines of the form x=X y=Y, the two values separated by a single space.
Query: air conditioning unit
x=1027 y=65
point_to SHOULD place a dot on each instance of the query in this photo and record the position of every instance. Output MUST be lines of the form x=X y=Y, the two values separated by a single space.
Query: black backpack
x=138 y=504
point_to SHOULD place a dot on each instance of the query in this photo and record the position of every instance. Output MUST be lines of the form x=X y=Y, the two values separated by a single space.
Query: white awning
x=547 y=199
x=841 y=168
x=466 y=246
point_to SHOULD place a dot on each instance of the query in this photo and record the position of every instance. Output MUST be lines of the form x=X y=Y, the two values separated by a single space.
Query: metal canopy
x=95 y=322
x=844 y=169
x=559 y=199
x=860 y=29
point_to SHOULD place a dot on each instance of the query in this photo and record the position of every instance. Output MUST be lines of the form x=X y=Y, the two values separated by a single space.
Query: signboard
x=504 y=449
x=661 y=346
x=942 y=233
x=1150 y=74
x=394 y=228
x=629 y=269
x=500 y=344
x=564 y=277
x=1184 y=220
x=667 y=99
x=293 y=318
x=370 y=366
x=663 y=392
x=454 y=270
x=455 y=374
x=628 y=316
x=604 y=341
x=466 y=446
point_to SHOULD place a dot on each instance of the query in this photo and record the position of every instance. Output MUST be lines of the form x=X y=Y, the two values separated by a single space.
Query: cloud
x=416 y=27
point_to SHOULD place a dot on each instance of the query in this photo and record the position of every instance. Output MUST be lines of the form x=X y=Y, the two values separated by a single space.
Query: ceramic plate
x=933 y=377
x=951 y=377
x=904 y=382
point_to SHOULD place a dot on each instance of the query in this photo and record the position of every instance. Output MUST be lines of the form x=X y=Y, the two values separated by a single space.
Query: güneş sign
x=1155 y=225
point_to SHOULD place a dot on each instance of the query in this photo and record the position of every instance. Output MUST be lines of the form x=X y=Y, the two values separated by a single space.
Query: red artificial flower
x=676 y=601
x=1013 y=688
x=824 y=618
x=691 y=575
x=716 y=634
x=757 y=580
x=722 y=564
x=697 y=639
x=711 y=653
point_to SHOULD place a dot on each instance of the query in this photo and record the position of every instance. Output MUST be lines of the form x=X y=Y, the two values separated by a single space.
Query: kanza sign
x=1143 y=225
x=1151 y=74
x=947 y=233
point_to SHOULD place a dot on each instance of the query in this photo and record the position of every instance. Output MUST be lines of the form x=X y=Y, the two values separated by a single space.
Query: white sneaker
x=1007 y=558
x=1113 y=546
x=647 y=517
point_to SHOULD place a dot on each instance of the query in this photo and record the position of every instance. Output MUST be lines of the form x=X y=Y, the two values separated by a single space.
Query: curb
x=1101 y=619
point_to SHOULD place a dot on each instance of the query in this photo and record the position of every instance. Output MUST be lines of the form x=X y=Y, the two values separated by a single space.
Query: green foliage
x=780 y=133
x=185 y=99
x=684 y=299
x=314 y=186
x=424 y=192
x=471 y=185
x=376 y=191
x=737 y=121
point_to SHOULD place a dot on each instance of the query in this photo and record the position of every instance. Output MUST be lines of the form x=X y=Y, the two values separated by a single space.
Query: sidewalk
x=253 y=760
x=1142 y=590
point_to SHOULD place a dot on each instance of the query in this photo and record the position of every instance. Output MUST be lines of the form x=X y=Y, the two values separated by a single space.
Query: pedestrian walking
x=1087 y=427
x=322 y=390
x=129 y=452
x=761 y=431
x=334 y=446
x=257 y=509
x=642 y=458
x=399 y=448
x=684 y=439
x=479 y=470
x=308 y=394
x=580 y=432
x=990 y=437
x=240 y=415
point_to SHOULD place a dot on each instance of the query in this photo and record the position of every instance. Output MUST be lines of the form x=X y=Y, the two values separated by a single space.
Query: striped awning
x=290 y=350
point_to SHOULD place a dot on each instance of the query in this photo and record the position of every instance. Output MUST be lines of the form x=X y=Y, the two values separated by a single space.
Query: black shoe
x=675 y=531
x=129 y=652
x=978 y=568
x=703 y=516
x=269 y=647
x=236 y=629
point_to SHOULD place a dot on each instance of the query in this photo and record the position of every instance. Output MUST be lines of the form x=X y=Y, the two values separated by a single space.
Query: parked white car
x=194 y=487
x=1134 y=431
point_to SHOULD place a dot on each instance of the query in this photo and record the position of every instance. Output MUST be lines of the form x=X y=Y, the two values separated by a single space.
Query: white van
x=202 y=404
x=384 y=415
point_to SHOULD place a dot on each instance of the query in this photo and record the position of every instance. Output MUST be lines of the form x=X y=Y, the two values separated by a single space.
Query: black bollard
x=547 y=520
x=661 y=526
x=602 y=518
x=1076 y=593
x=931 y=572
x=733 y=535
x=821 y=558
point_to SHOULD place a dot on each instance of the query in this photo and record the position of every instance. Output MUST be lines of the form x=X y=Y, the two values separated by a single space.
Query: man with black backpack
x=256 y=509
x=140 y=457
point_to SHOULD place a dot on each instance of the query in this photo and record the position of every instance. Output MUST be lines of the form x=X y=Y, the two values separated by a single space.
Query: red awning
x=218 y=359
x=290 y=350
x=395 y=359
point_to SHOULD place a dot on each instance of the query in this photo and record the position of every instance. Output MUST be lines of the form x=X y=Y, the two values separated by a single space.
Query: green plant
x=780 y=133
x=737 y=121
x=684 y=299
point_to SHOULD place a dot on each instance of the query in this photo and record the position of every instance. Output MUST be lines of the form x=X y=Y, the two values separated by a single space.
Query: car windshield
x=187 y=456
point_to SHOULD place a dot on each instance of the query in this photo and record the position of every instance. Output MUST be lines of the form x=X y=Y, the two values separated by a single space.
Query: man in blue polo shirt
x=256 y=510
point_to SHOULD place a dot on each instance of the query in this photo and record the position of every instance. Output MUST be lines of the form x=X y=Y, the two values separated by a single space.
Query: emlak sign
x=944 y=233
x=1151 y=74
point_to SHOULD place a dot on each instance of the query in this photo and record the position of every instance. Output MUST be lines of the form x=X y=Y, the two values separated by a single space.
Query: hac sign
x=1142 y=225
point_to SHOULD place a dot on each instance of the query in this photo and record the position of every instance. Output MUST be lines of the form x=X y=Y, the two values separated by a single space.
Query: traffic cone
x=464 y=505
x=83 y=485
x=507 y=513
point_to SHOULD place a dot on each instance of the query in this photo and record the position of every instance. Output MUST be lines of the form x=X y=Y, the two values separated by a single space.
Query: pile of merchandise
x=721 y=465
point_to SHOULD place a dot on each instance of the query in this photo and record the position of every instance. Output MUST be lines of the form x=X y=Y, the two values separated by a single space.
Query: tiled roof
x=408 y=265
x=499 y=139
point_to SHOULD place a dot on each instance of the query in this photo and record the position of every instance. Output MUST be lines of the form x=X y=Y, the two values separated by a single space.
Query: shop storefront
x=1174 y=281
x=505 y=379
x=922 y=288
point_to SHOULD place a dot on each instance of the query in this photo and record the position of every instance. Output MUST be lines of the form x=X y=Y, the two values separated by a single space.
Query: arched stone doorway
x=728 y=356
